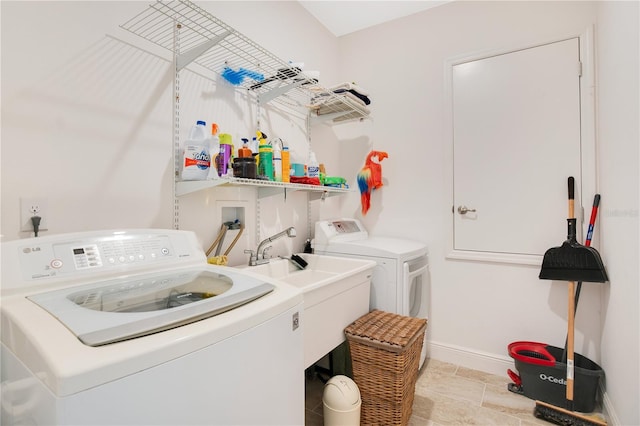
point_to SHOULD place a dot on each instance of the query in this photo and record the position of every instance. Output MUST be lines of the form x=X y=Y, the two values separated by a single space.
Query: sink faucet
x=259 y=256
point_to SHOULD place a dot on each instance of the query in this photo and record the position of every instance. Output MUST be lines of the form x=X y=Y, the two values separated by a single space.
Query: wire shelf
x=214 y=45
x=265 y=187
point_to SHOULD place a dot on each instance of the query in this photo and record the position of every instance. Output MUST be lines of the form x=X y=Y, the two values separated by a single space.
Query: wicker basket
x=385 y=352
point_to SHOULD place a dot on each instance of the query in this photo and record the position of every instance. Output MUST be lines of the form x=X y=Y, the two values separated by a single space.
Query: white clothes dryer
x=400 y=281
x=135 y=327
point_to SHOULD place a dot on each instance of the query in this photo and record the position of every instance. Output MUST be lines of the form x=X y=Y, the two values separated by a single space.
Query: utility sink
x=336 y=292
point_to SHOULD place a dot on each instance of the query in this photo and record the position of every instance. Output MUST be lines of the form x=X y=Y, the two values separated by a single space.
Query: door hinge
x=579 y=69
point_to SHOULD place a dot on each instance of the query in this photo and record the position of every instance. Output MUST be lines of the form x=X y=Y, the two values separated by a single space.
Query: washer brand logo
x=552 y=379
x=28 y=250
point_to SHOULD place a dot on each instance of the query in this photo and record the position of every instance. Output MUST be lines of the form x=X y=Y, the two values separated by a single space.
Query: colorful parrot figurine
x=370 y=178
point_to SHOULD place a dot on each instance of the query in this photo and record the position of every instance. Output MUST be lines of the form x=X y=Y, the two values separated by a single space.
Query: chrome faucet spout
x=263 y=246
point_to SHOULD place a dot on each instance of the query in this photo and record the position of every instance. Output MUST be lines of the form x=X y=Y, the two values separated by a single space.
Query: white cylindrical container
x=341 y=402
x=277 y=163
x=196 y=158
x=313 y=168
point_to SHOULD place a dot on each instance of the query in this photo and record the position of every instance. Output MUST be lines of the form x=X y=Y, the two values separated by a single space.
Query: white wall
x=618 y=133
x=478 y=308
x=84 y=119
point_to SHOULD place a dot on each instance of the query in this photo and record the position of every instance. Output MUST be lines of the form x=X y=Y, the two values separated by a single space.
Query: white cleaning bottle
x=313 y=168
x=277 y=163
x=196 y=159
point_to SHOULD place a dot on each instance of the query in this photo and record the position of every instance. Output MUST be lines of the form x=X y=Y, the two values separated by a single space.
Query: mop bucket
x=543 y=378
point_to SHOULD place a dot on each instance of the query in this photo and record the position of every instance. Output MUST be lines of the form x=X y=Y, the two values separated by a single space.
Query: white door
x=516 y=140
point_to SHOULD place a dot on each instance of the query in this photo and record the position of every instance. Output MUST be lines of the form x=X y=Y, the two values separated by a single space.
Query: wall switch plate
x=33 y=207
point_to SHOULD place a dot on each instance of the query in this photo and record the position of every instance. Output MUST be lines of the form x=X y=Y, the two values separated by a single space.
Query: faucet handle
x=265 y=250
x=252 y=258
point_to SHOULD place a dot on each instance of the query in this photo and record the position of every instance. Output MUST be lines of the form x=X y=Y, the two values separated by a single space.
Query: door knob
x=465 y=210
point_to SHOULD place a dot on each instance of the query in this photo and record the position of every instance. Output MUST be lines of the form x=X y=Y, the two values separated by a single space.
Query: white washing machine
x=400 y=282
x=134 y=327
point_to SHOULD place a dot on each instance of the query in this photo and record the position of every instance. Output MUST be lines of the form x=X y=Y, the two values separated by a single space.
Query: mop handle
x=571 y=310
x=587 y=243
x=570 y=185
x=592 y=220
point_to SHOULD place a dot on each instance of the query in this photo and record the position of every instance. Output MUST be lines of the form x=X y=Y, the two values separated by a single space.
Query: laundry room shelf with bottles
x=194 y=35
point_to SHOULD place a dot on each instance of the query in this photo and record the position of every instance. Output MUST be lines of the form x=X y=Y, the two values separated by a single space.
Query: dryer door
x=416 y=294
x=415 y=291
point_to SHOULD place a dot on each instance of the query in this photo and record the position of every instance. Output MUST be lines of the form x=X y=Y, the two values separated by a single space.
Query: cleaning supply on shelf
x=313 y=168
x=286 y=164
x=277 y=163
x=244 y=165
x=335 y=182
x=196 y=158
x=297 y=170
x=244 y=151
x=236 y=77
x=225 y=154
x=254 y=145
x=214 y=148
x=323 y=173
x=304 y=180
x=265 y=163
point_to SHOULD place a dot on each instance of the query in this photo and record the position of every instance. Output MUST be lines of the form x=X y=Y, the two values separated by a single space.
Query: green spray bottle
x=265 y=153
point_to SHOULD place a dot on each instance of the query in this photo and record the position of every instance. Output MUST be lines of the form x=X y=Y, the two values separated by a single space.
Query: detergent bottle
x=265 y=163
x=196 y=158
x=313 y=168
x=245 y=151
x=224 y=156
x=214 y=148
x=286 y=164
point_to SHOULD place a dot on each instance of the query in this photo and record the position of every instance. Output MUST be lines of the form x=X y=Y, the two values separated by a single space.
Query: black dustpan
x=572 y=261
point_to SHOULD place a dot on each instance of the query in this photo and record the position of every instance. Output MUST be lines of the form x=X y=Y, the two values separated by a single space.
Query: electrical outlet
x=30 y=207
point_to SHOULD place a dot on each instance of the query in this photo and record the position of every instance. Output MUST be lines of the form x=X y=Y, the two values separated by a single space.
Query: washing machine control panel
x=114 y=252
x=328 y=231
x=42 y=258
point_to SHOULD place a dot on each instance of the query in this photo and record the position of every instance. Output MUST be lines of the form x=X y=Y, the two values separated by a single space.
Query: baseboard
x=498 y=365
x=465 y=357
x=608 y=410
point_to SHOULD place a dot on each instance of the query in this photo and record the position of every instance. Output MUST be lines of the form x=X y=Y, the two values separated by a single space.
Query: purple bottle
x=223 y=159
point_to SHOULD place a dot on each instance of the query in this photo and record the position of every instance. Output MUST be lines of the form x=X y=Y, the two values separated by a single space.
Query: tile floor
x=447 y=394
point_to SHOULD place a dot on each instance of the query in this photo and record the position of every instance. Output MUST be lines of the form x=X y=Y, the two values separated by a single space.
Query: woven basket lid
x=385 y=329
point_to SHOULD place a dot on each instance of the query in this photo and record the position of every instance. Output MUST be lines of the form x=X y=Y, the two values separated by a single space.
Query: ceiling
x=344 y=17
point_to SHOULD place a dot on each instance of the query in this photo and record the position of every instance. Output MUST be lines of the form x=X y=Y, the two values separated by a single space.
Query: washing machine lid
x=387 y=247
x=115 y=310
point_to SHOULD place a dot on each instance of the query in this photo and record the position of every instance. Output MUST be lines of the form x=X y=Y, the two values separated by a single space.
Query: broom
x=570 y=262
